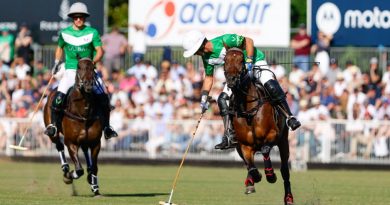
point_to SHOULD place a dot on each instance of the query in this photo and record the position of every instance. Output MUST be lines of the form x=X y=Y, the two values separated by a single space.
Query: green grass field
x=39 y=183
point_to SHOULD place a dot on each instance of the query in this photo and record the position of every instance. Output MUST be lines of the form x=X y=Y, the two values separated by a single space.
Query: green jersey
x=217 y=56
x=81 y=42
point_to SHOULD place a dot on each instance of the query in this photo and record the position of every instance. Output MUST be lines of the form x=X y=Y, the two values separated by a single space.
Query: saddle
x=238 y=103
x=93 y=111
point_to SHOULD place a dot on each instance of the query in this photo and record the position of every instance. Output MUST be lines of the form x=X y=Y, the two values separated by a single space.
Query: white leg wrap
x=62 y=157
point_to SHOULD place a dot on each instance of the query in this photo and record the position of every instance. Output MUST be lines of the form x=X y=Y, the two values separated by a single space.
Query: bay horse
x=258 y=125
x=80 y=126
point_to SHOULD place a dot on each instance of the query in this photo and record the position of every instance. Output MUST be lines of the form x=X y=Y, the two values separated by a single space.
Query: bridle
x=85 y=85
x=234 y=80
x=240 y=83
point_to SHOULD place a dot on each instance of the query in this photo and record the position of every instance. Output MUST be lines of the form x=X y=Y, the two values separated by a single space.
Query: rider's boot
x=229 y=136
x=56 y=114
x=108 y=131
x=279 y=100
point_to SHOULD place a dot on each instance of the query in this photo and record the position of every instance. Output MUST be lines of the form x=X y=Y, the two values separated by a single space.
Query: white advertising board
x=165 y=21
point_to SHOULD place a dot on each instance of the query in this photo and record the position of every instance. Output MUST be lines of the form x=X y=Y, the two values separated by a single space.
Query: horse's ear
x=224 y=45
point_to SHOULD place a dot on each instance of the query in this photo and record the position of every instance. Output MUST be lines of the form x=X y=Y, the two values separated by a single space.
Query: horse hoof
x=289 y=200
x=97 y=195
x=271 y=178
x=67 y=180
x=250 y=190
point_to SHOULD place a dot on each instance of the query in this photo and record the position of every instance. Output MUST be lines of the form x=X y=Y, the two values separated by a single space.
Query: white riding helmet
x=192 y=42
x=78 y=8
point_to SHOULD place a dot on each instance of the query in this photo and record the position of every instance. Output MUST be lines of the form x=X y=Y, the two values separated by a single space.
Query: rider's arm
x=99 y=54
x=58 y=54
x=249 y=46
x=207 y=83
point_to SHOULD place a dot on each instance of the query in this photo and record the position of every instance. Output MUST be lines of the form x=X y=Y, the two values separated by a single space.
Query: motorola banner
x=45 y=18
x=351 y=22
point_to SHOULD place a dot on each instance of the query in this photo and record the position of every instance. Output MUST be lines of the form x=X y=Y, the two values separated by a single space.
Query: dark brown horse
x=258 y=125
x=80 y=126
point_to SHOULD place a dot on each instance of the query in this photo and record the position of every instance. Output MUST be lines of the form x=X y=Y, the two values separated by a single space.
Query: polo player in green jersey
x=213 y=53
x=78 y=41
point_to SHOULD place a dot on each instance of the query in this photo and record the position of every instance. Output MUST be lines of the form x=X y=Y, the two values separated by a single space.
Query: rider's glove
x=204 y=103
x=249 y=66
x=56 y=67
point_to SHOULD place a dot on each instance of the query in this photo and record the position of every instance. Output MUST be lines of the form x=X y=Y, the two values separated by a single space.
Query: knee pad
x=223 y=100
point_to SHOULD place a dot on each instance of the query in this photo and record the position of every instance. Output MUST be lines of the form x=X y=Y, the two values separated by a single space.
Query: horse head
x=234 y=66
x=85 y=76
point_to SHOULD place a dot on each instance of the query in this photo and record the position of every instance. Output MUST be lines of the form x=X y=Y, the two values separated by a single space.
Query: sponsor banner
x=45 y=18
x=353 y=22
x=165 y=21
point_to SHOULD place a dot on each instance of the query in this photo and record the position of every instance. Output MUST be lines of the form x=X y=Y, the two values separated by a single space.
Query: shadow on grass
x=135 y=195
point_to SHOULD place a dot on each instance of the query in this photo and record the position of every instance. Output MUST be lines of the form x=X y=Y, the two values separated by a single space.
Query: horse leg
x=92 y=174
x=254 y=176
x=284 y=169
x=64 y=163
x=88 y=159
x=79 y=171
x=268 y=169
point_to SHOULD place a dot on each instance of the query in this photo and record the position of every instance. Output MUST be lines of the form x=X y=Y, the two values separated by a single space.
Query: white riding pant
x=262 y=75
x=69 y=78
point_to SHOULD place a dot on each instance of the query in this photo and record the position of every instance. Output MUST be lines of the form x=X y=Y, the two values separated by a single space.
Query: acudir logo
x=155 y=26
x=328 y=18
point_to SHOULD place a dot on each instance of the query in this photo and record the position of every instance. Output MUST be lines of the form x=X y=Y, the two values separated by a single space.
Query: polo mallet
x=181 y=164
x=19 y=146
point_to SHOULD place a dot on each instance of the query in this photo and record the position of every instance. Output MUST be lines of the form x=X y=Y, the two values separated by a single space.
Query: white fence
x=335 y=141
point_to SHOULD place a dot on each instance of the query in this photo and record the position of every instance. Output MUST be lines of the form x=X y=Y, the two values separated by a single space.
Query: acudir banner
x=165 y=21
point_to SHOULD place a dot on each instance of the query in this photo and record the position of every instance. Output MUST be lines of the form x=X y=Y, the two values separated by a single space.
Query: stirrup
x=109 y=133
x=289 y=126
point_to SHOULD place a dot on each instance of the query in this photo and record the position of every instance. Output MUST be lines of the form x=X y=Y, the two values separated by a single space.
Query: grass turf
x=41 y=183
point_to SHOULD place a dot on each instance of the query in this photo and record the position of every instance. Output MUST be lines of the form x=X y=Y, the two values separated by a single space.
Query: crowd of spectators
x=170 y=92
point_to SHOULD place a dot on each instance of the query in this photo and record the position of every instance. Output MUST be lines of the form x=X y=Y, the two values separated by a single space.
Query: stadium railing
x=333 y=141
x=359 y=55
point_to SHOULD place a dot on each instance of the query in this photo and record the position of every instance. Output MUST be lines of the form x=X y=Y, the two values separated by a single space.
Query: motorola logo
x=328 y=18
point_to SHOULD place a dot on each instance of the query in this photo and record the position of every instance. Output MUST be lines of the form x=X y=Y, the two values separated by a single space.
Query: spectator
x=115 y=46
x=278 y=70
x=39 y=68
x=321 y=51
x=138 y=69
x=193 y=75
x=150 y=71
x=296 y=75
x=6 y=46
x=175 y=70
x=386 y=79
x=340 y=85
x=167 y=54
x=355 y=97
x=351 y=70
x=375 y=76
x=334 y=69
x=301 y=44
x=138 y=39
x=22 y=69
x=4 y=68
x=23 y=44
x=359 y=131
